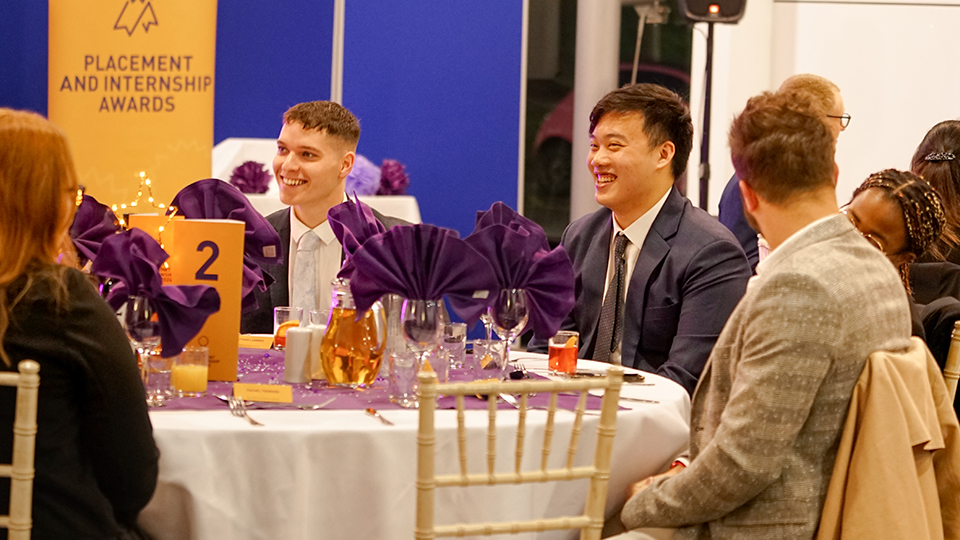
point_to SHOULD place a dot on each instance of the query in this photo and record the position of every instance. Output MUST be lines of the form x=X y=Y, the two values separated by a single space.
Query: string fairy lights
x=118 y=210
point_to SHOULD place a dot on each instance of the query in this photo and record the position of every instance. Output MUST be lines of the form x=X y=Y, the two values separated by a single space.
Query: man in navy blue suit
x=656 y=277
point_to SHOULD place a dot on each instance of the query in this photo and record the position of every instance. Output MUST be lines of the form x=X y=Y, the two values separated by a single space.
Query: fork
x=239 y=408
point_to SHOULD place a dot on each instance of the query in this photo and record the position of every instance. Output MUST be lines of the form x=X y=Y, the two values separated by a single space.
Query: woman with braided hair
x=900 y=214
x=937 y=160
x=903 y=216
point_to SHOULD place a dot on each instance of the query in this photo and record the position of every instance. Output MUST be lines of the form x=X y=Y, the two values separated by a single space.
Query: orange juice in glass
x=188 y=377
x=283 y=318
x=562 y=357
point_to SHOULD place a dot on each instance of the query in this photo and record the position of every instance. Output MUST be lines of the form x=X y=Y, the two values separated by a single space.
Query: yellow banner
x=131 y=84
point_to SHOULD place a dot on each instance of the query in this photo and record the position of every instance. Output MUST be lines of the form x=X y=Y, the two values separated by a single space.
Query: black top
x=96 y=461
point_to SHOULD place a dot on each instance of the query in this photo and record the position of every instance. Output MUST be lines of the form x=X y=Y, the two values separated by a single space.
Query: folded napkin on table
x=353 y=223
x=215 y=199
x=501 y=214
x=422 y=262
x=133 y=257
x=92 y=224
x=518 y=251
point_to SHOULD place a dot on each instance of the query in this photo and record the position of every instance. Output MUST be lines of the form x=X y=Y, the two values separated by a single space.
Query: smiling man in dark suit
x=316 y=150
x=656 y=277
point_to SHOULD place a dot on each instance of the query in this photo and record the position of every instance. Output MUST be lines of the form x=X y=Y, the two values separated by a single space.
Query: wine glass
x=421 y=327
x=143 y=328
x=509 y=312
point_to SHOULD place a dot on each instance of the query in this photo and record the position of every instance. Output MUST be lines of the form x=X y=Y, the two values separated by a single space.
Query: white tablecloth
x=343 y=475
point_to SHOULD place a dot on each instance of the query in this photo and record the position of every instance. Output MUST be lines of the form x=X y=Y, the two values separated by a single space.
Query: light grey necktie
x=305 y=273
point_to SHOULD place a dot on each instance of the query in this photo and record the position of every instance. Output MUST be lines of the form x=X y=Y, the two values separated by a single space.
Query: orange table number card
x=210 y=252
x=272 y=393
x=205 y=252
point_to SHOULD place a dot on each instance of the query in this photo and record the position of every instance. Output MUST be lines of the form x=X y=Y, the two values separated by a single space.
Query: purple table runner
x=259 y=366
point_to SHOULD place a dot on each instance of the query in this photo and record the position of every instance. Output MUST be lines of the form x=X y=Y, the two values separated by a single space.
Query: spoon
x=373 y=412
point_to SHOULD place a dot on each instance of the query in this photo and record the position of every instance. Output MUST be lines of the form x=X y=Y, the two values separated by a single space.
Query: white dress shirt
x=636 y=233
x=329 y=258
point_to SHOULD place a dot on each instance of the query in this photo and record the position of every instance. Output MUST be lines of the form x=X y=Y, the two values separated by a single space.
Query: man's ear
x=749 y=197
x=346 y=164
x=667 y=151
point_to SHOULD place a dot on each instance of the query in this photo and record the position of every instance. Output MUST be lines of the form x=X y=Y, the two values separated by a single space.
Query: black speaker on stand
x=710 y=12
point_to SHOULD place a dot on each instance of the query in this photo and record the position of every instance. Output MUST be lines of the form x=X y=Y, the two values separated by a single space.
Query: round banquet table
x=341 y=474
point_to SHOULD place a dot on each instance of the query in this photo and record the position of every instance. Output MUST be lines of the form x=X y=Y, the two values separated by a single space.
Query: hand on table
x=637 y=487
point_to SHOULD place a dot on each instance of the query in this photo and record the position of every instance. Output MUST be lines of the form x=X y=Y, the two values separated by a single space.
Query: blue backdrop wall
x=434 y=83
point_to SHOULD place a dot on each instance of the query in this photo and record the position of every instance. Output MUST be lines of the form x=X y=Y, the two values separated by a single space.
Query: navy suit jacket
x=731 y=216
x=260 y=320
x=690 y=274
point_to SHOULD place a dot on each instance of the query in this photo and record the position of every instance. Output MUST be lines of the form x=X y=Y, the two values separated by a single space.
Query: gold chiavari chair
x=590 y=521
x=20 y=471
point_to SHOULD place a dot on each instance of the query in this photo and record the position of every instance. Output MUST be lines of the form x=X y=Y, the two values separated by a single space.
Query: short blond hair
x=821 y=92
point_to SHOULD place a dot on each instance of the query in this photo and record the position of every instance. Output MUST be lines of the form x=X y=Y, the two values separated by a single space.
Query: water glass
x=318 y=327
x=454 y=343
x=402 y=383
x=284 y=317
x=439 y=360
x=489 y=359
x=190 y=372
x=155 y=371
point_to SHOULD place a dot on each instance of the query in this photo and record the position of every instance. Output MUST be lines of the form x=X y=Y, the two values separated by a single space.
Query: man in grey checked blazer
x=770 y=406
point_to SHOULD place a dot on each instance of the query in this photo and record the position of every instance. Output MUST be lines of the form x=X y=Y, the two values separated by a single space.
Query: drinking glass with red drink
x=563 y=352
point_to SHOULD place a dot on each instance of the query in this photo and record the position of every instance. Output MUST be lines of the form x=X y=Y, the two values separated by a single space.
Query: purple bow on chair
x=353 y=223
x=133 y=257
x=422 y=262
x=215 y=199
x=518 y=251
x=92 y=224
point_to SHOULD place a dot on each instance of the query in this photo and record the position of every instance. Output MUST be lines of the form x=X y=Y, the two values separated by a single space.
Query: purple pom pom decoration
x=393 y=178
x=364 y=179
x=251 y=177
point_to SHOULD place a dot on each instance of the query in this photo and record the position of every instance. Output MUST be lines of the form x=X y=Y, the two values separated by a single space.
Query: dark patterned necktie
x=610 y=325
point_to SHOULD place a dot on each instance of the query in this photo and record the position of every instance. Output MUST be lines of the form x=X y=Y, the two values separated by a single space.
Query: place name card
x=256 y=341
x=271 y=393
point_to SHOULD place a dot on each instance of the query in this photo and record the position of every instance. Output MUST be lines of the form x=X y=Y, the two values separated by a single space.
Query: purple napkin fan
x=353 y=223
x=215 y=199
x=133 y=257
x=92 y=224
x=520 y=255
x=423 y=262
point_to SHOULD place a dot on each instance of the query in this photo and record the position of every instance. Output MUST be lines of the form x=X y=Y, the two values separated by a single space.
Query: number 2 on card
x=202 y=274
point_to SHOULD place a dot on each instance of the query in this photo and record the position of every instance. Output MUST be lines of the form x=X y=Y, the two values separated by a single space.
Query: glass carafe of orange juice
x=352 y=348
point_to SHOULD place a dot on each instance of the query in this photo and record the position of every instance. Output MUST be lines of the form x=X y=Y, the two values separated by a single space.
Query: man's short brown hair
x=781 y=147
x=326 y=116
